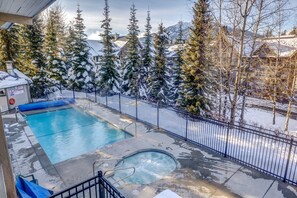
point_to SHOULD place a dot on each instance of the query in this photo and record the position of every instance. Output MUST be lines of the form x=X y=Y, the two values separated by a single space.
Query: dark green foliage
x=147 y=60
x=9 y=50
x=53 y=49
x=79 y=62
x=158 y=87
x=108 y=77
x=177 y=65
x=131 y=69
x=196 y=87
x=33 y=59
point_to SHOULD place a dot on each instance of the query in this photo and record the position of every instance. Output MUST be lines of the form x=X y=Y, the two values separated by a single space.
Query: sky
x=167 y=11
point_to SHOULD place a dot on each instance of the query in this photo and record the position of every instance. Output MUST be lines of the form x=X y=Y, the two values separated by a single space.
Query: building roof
x=7 y=80
x=20 y=11
x=121 y=41
x=284 y=45
x=95 y=47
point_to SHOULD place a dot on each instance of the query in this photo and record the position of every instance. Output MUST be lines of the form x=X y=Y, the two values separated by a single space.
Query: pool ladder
x=102 y=161
x=121 y=179
x=113 y=170
x=22 y=114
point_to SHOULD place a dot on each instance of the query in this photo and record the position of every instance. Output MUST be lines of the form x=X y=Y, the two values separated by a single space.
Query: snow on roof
x=286 y=45
x=95 y=47
x=22 y=75
x=120 y=43
x=248 y=42
x=7 y=80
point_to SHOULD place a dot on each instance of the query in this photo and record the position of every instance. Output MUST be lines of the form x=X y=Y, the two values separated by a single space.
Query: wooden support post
x=5 y=163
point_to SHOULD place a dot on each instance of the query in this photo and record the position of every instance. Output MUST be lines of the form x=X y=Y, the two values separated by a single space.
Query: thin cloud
x=167 y=11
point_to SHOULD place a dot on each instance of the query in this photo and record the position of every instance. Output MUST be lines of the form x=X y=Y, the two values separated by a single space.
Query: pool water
x=68 y=133
x=150 y=166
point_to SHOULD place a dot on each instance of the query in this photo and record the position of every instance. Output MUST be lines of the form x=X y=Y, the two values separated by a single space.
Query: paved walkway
x=200 y=173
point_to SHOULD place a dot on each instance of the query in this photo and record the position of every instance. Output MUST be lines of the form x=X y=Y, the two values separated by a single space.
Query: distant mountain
x=173 y=31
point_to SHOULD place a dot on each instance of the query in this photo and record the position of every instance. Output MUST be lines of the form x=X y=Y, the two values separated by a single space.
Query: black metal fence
x=254 y=147
x=95 y=187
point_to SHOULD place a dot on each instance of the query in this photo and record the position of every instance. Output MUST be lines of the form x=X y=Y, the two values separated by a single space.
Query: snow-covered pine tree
x=56 y=67
x=79 y=56
x=9 y=50
x=69 y=48
x=177 y=65
x=69 y=51
x=196 y=86
x=108 y=77
x=132 y=62
x=147 y=59
x=33 y=59
x=158 y=82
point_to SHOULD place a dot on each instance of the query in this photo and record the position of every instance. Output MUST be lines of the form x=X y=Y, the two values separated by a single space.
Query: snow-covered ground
x=263 y=118
x=253 y=116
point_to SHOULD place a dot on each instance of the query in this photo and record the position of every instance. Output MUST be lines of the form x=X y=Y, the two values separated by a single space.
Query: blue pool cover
x=27 y=189
x=47 y=104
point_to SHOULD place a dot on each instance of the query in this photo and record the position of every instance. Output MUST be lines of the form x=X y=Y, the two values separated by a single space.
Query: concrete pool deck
x=200 y=173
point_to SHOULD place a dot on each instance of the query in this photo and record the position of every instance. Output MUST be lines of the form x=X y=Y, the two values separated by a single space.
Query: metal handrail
x=102 y=162
x=129 y=125
x=121 y=179
x=18 y=111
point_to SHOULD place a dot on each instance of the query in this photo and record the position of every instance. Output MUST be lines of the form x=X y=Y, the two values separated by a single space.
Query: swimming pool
x=150 y=166
x=68 y=133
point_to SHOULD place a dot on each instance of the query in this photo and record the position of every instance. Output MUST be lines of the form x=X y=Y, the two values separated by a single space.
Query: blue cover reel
x=47 y=104
x=28 y=189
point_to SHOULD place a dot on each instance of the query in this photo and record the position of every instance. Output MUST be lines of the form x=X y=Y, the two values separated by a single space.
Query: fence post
x=288 y=160
x=187 y=120
x=158 y=109
x=120 y=104
x=106 y=100
x=101 y=187
x=95 y=94
x=227 y=139
x=136 y=109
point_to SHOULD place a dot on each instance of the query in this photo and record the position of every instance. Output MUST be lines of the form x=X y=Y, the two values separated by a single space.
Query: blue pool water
x=68 y=133
x=150 y=166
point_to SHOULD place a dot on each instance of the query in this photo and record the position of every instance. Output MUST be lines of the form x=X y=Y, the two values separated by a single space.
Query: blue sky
x=167 y=11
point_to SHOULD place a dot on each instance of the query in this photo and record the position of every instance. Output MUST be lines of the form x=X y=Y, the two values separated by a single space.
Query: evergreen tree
x=158 y=87
x=9 y=50
x=147 y=59
x=33 y=59
x=177 y=65
x=196 y=87
x=70 y=47
x=132 y=60
x=78 y=55
x=55 y=64
x=108 y=77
